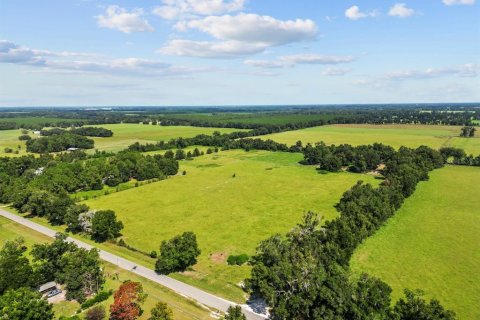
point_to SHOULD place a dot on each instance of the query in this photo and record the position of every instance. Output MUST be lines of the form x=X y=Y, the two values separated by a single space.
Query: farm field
x=394 y=135
x=127 y=134
x=230 y=215
x=182 y=308
x=432 y=243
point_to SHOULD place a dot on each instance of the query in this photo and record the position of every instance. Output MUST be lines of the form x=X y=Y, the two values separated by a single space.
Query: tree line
x=305 y=275
x=81 y=131
x=42 y=185
x=58 y=143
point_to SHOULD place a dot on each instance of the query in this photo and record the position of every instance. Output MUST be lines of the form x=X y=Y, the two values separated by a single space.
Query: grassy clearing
x=230 y=215
x=127 y=134
x=9 y=139
x=394 y=135
x=182 y=308
x=432 y=243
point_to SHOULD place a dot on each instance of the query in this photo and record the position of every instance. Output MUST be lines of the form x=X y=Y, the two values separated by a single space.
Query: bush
x=101 y=296
x=153 y=254
x=24 y=137
x=237 y=259
x=8 y=150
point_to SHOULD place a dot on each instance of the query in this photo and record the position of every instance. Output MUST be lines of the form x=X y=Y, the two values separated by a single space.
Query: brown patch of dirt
x=218 y=257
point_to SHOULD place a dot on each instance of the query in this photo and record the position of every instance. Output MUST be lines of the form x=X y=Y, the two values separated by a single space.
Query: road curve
x=179 y=287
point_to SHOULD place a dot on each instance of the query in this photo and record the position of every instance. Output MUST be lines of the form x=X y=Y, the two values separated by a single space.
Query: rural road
x=175 y=285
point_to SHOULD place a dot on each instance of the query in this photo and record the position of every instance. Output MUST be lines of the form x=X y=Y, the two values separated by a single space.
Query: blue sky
x=238 y=52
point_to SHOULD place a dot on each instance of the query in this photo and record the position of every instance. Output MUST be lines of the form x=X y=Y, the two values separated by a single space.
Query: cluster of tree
x=57 y=143
x=468 y=132
x=82 y=131
x=78 y=269
x=299 y=280
x=41 y=185
x=127 y=304
x=305 y=275
x=178 y=253
x=459 y=157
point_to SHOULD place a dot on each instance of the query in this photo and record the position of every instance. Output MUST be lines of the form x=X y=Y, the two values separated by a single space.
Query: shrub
x=237 y=259
x=24 y=137
x=153 y=254
x=101 y=296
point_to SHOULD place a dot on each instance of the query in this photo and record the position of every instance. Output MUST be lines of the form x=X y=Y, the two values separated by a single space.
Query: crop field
x=127 y=134
x=231 y=200
x=182 y=308
x=394 y=135
x=432 y=243
x=253 y=118
x=9 y=139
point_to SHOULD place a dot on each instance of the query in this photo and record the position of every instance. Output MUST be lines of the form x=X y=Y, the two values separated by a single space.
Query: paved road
x=175 y=285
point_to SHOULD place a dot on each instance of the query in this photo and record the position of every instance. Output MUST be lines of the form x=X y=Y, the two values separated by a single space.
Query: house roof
x=47 y=286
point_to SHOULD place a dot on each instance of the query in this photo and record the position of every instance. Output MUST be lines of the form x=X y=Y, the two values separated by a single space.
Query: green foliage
x=57 y=143
x=15 y=268
x=23 y=304
x=235 y=313
x=101 y=296
x=178 y=253
x=414 y=307
x=24 y=137
x=161 y=311
x=105 y=225
x=237 y=259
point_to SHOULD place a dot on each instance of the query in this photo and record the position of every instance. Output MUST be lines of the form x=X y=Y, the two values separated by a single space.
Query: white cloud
x=354 y=13
x=69 y=61
x=293 y=60
x=120 y=19
x=335 y=72
x=239 y=35
x=176 y=9
x=401 y=10
x=458 y=2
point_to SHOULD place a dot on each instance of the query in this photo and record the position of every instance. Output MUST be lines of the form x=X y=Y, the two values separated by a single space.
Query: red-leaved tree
x=127 y=301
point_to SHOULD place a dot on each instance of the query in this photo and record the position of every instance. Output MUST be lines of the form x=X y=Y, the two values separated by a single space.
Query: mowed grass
x=182 y=308
x=432 y=243
x=395 y=135
x=230 y=215
x=127 y=134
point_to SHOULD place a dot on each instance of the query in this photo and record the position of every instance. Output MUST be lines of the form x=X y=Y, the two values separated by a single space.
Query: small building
x=72 y=149
x=47 y=287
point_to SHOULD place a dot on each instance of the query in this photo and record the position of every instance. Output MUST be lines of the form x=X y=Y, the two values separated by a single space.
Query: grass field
x=394 y=135
x=37 y=120
x=9 y=139
x=230 y=215
x=433 y=242
x=182 y=308
x=127 y=134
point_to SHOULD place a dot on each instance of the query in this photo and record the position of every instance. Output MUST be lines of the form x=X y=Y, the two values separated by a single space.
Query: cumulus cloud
x=239 y=35
x=69 y=61
x=458 y=2
x=293 y=60
x=177 y=9
x=354 y=13
x=120 y=19
x=401 y=10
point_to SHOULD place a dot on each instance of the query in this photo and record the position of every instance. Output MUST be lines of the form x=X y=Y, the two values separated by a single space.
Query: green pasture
x=432 y=243
x=182 y=308
x=9 y=139
x=37 y=120
x=126 y=134
x=394 y=135
x=230 y=215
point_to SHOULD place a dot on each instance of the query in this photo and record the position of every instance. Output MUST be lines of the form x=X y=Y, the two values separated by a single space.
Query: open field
x=127 y=134
x=230 y=215
x=9 y=139
x=432 y=243
x=394 y=135
x=37 y=120
x=182 y=308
